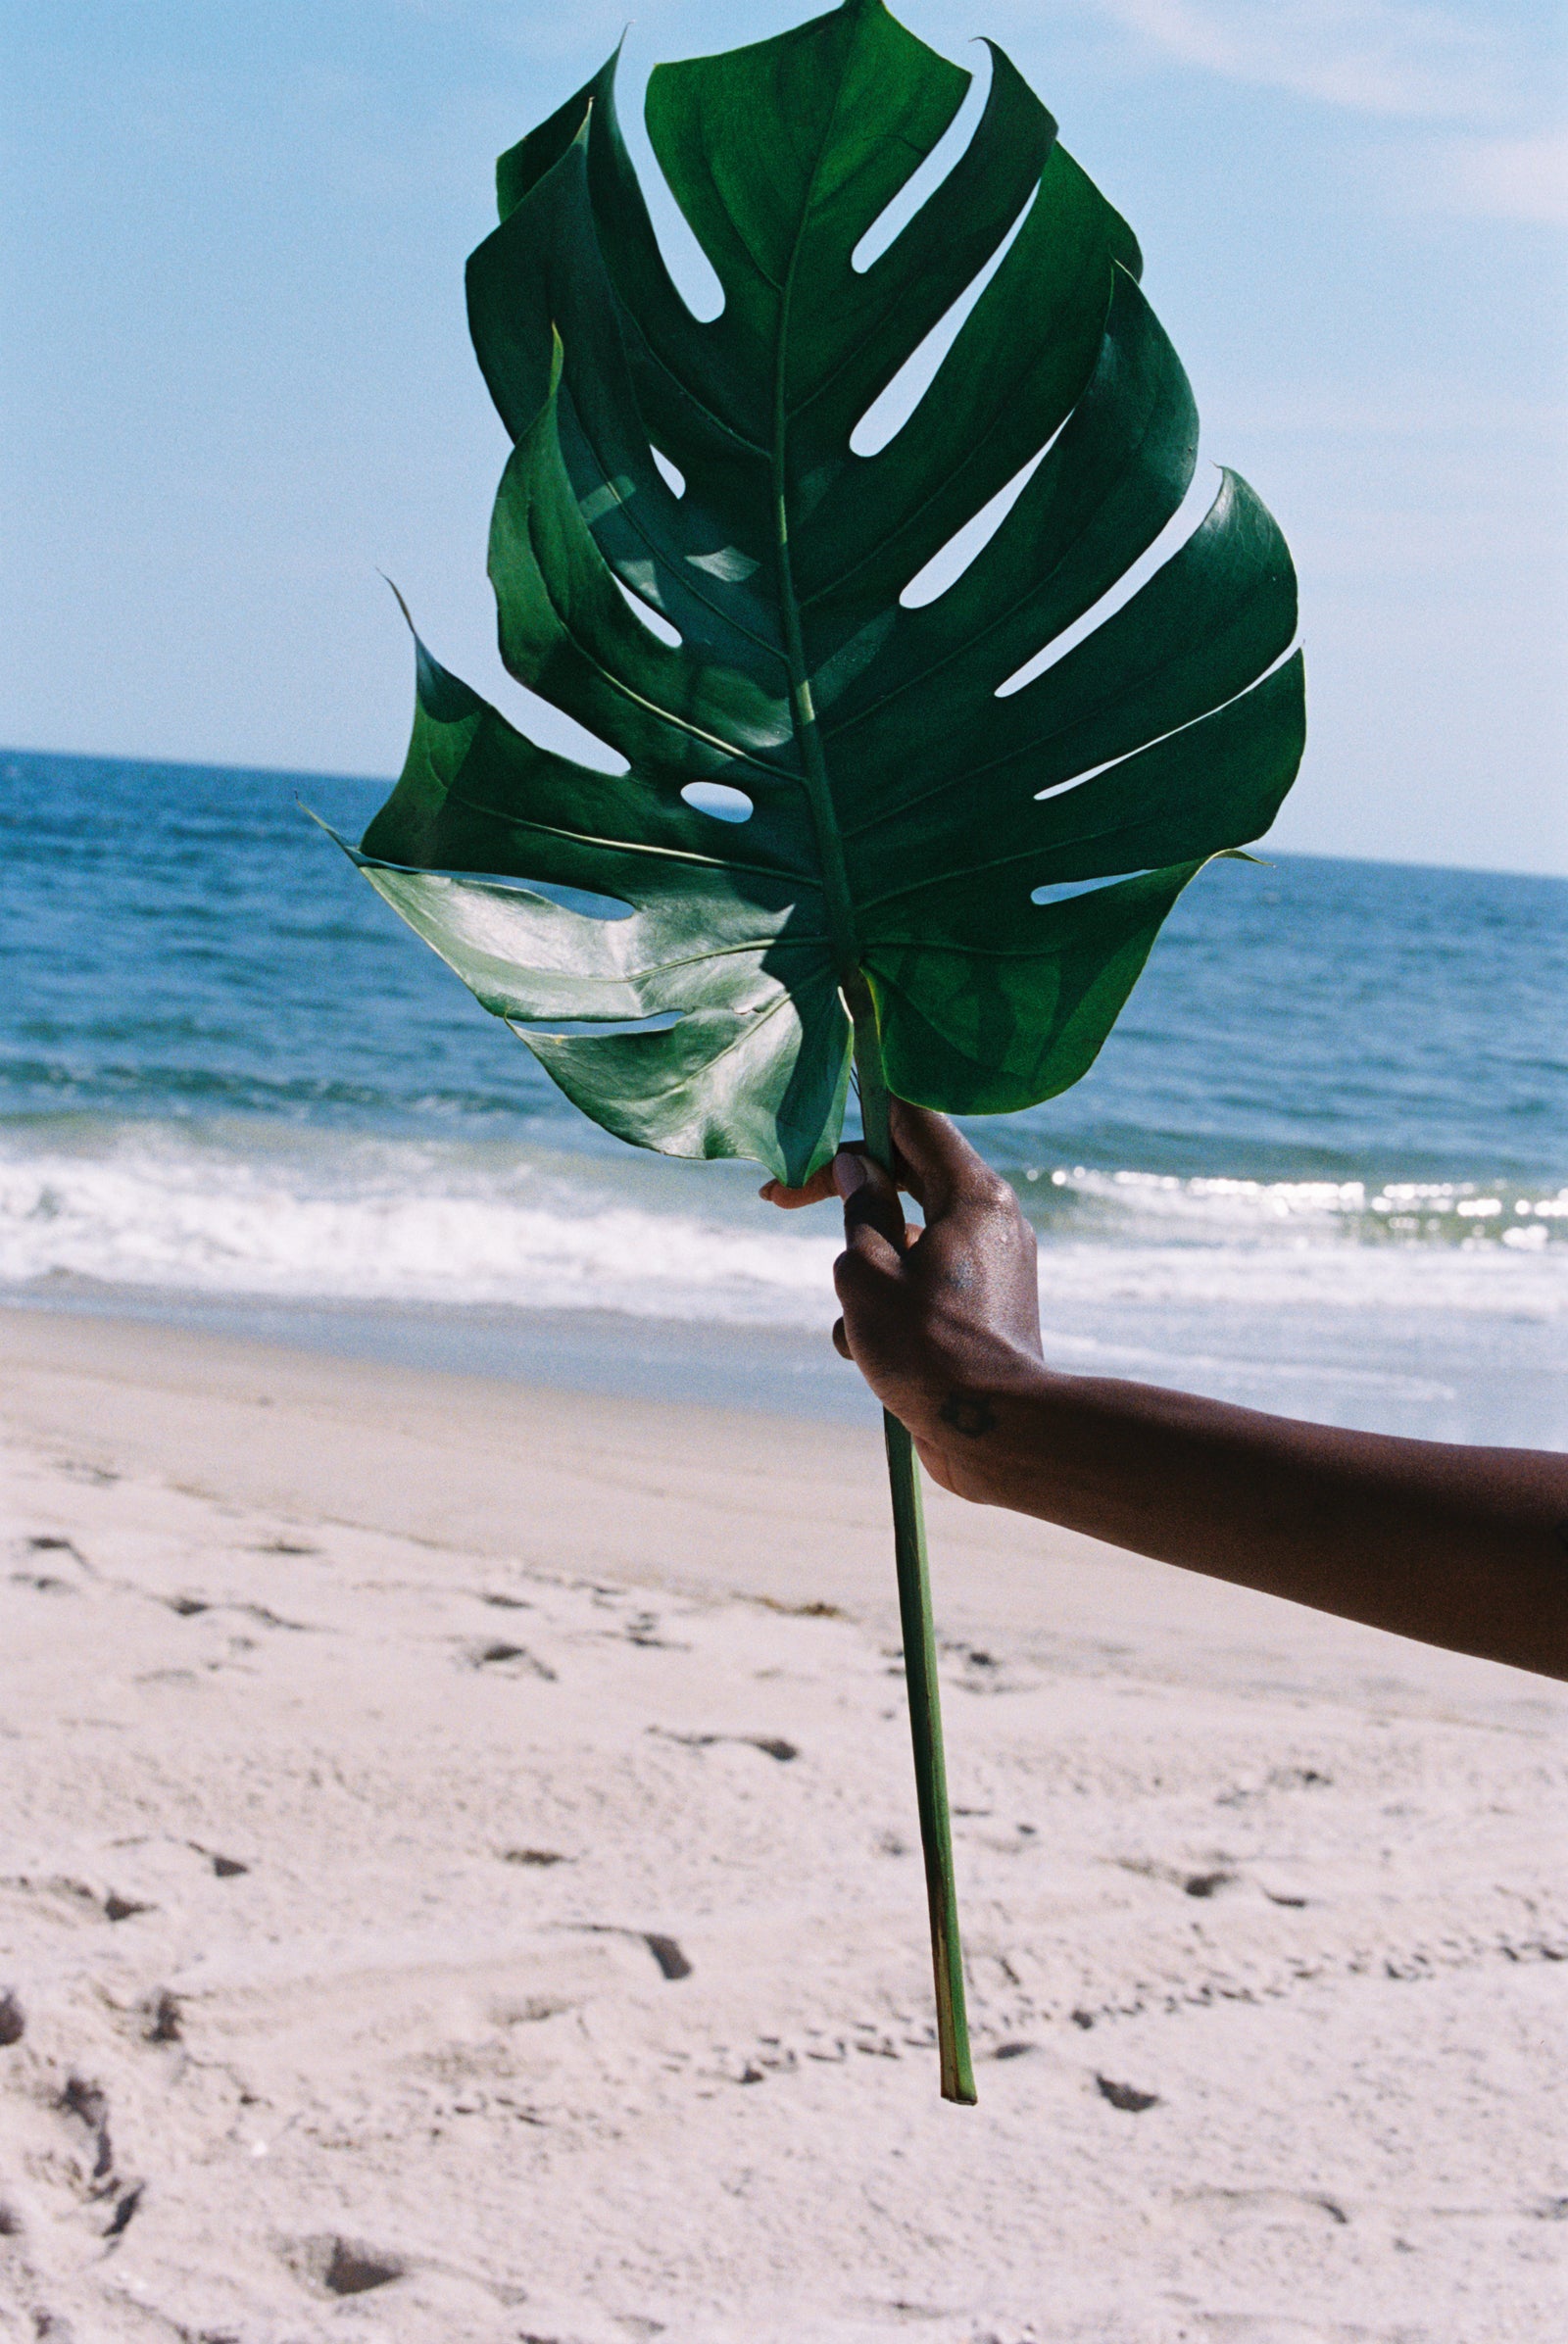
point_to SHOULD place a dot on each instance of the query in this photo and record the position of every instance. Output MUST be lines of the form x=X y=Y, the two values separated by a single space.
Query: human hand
x=942 y=1320
x=944 y=1324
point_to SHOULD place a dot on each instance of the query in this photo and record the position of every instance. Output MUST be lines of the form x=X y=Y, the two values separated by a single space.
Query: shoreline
x=1497 y=1376
x=762 y=1367
x=704 y=1500
x=459 y=1850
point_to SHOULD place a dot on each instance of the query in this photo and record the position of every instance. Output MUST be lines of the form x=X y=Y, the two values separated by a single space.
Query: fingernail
x=849 y=1172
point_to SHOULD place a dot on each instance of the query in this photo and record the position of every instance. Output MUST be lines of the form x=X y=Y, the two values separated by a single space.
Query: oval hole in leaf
x=672 y=476
x=1187 y=517
x=717 y=799
x=892 y=408
x=924 y=182
x=653 y=620
x=1062 y=891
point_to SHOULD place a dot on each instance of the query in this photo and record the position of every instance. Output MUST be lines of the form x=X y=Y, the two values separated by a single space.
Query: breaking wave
x=285 y=1212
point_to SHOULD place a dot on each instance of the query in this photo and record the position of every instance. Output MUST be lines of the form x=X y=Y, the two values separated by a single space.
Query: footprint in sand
x=1126 y=2096
x=343 y=2266
x=516 y=1659
x=771 y=1746
x=666 y=1952
x=125 y=2208
x=1225 y=2209
x=125 y=1908
x=225 y=1868
x=88 y=2103
x=162 y=2020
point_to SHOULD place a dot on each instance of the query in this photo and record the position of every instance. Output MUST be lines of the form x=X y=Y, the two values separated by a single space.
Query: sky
x=236 y=382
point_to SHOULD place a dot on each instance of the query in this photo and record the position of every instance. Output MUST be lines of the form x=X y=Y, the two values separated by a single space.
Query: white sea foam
x=312 y=1215
x=1402 y=1212
x=386 y=1224
x=1344 y=1276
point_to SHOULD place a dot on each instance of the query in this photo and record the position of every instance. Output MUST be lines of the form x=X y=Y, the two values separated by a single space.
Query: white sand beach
x=458 y=1880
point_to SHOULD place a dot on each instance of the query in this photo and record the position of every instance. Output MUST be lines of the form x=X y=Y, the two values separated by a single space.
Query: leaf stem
x=919 y=1635
x=903 y=1480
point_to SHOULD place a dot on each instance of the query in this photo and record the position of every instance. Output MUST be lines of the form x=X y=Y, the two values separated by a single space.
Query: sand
x=459 y=1882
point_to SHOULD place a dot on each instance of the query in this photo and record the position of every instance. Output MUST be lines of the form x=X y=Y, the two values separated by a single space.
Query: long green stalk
x=903 y=1479
x=920 y=1655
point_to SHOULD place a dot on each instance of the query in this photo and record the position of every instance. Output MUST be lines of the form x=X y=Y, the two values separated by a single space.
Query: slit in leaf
x=570 y=899
x=1076 y=781
x=672 y=476
x=653 y=620
x=892 y=407
x=551 y=728
x=1062 y=891
x=948 y=562
x=1187 y=520
x=924 y=182
x=592 y=1028
x=692 y=272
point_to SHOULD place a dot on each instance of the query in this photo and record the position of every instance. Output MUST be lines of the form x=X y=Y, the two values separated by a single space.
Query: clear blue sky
x=237 y=380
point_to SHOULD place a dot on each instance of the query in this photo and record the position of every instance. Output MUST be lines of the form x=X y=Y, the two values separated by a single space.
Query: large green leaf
x=903 y=815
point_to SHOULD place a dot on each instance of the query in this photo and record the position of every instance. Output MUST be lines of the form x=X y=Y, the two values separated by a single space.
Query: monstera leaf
x=691 y=559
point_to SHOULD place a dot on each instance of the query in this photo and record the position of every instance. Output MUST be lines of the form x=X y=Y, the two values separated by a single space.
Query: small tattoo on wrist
x=968 y=1413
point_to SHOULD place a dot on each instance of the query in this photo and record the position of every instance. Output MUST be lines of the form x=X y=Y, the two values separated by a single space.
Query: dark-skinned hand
x=941 y=1317
x=1463 y=1546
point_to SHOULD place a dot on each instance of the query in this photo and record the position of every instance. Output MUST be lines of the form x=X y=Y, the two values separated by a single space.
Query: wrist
x=981 y=1416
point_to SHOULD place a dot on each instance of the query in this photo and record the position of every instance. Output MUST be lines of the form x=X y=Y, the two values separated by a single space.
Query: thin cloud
x=1378 y=57
x=1506 y=178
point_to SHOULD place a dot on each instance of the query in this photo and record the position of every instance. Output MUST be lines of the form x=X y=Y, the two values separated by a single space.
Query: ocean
x=1321 y=1166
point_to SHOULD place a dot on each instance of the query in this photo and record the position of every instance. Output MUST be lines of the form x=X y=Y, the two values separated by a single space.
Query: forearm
x=1465 y=1548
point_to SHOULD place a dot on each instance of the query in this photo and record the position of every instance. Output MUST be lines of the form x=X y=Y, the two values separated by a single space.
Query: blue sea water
x=1319 y=1166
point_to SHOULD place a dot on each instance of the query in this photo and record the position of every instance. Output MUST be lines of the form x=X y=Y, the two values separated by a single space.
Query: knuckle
x=851 y=1273
x=992 y=1193
x=861 y=1274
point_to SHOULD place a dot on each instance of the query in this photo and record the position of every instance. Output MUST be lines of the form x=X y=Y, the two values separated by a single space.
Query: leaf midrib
x=802 y=713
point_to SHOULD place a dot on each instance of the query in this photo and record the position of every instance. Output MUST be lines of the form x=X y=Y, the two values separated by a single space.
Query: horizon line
x=377 y=781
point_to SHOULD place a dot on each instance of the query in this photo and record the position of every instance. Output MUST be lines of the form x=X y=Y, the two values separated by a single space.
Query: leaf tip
x=397 y=597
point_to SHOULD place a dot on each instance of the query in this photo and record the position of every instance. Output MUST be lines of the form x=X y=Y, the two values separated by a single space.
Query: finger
x=841 y=1342
x=867 y=1278
x=870 y=1199
x=938 y=1161
x=815 y=1191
